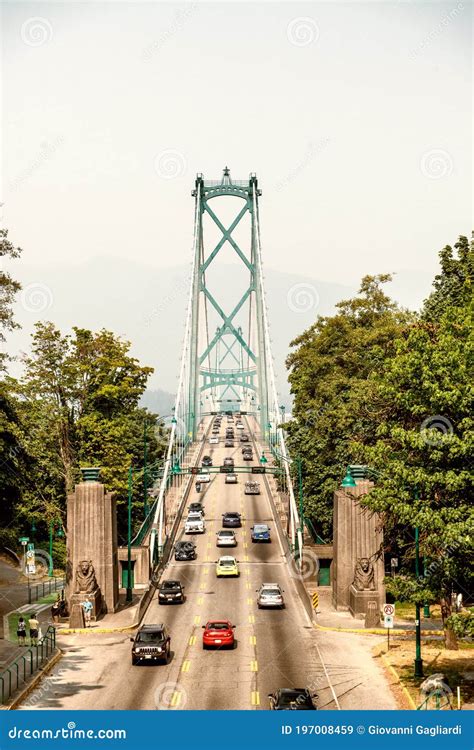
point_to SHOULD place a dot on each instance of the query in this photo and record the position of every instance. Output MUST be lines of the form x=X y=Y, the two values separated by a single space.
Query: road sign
x=30 y=560
x=24 y=540
x=389 y=609
x=258 y=469
x=315 y=599
x=388 y=621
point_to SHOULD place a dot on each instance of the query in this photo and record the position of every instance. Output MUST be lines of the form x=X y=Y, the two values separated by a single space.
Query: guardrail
x=44 y=588
x=24 y=666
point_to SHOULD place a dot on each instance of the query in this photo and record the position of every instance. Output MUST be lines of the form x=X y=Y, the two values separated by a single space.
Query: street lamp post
x=418 y=659
x=145 y=483
x=300 y=491
x=129 y=595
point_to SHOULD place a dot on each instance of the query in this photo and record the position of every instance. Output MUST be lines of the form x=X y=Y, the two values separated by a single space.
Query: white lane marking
x=327 y=675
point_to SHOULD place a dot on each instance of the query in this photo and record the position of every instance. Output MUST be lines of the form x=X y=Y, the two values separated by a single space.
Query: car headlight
x=159 y=649
x=136 y=650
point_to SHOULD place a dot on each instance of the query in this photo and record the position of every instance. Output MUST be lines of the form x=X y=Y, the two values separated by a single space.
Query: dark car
x=244 y=438
x=228 y=461
x=196 y=508
x=229 y=443
x=231 y=520
x=292 y=699
x=247 y=456
x=185 y=551
x=207 y=461
x=171 y=592
x=151 y=643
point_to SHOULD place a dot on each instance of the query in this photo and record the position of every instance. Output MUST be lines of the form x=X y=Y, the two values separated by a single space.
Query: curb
x=91 y=631
x=375 y=631
x=391 y=669
x=34 y=682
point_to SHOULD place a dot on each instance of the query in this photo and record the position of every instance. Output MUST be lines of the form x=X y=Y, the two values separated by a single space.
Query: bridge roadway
x=275 y=648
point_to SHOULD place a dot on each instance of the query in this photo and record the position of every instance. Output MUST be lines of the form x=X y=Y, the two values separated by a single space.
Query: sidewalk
x=14 y=595
x=327 y=617
x=125 y=618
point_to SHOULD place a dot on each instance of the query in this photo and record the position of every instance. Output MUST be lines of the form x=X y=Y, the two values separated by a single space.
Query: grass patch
x=406 y=611
x=457 y=666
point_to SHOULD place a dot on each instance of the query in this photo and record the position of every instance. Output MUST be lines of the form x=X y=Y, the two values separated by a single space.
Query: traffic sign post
x=388 y=615
x=315 y=599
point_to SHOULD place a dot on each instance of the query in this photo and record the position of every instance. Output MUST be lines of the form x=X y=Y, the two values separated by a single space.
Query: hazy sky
x=355 y=116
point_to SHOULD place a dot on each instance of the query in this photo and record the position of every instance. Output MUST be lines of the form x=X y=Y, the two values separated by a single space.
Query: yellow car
x=227 y=566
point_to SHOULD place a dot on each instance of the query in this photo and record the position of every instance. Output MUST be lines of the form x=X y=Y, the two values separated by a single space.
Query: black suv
x=231 y=520
x=292 y=699
x=151 y=643
x=185 y=551
x=196 y=508
x=207 y=461
x=171 y=592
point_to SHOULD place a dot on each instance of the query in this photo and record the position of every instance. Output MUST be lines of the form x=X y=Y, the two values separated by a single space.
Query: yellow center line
x=205 y=571
x=253 y=640
x=248 y=585
x=255 y=698
x=192 y=640
x=197 y=619
x=246 y=558
x=251 y=620
x=186 y=665
x=175 y=698
x=249 y=600
x=253 y=666
x=246 y=544
x=200 y=600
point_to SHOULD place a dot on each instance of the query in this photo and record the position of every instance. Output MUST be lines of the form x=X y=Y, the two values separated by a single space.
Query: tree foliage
x=377 y=385
x=334 y=397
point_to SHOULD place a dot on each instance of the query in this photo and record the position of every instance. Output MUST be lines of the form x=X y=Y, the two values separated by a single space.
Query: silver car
x=231 y=478
x=270 y=595
x=226 y=538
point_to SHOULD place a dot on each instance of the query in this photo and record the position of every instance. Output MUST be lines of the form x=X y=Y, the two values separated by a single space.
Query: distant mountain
x=159 y=402
x=147 y=306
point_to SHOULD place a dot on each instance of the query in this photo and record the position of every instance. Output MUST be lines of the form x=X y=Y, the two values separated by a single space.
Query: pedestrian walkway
x=328 y=617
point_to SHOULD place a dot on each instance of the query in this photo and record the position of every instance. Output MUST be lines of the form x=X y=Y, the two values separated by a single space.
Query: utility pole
x=145 y=483
x=129 y=538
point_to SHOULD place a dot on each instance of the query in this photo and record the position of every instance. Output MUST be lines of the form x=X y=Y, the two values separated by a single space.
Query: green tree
x=425 y=442
x=80 y=406
x=334 y=397
x=8 y=289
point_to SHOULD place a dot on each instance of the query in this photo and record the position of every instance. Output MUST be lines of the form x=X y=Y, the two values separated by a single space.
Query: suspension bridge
x=226 y=360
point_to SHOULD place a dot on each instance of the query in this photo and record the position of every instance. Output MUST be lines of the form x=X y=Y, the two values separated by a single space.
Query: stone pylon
x=358 y=534
x=92 y=536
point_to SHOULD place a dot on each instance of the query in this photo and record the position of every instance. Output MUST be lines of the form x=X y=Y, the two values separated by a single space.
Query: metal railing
x=24 y=666
x=37 y=590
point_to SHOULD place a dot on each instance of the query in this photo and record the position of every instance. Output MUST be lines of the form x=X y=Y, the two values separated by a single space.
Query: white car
x=270 y=595
x=239 y=426
x=203 y=477
x=214 y=440
x=226 y=538
x=194 y=524
x=231 y=478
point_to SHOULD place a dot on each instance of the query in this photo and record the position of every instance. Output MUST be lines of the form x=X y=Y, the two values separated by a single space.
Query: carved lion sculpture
x=364 y=575
x=86 y=582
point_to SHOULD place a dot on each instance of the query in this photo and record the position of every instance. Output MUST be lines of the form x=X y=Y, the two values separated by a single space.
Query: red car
x=218 y=633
